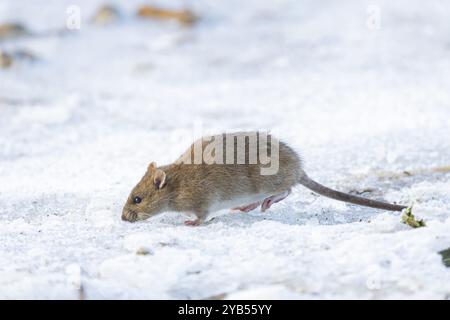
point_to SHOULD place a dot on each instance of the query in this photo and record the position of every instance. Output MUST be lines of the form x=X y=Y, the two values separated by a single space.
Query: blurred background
x=92 y=91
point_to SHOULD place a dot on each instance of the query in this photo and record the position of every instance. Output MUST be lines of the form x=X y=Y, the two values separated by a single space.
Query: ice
x=79 y=126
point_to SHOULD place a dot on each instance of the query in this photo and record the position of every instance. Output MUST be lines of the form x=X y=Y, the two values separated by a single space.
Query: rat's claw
x=193 y=223
x=247 y=208
x=266 y=204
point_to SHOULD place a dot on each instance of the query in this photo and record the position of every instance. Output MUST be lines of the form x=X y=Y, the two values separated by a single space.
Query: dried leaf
x=185 y=17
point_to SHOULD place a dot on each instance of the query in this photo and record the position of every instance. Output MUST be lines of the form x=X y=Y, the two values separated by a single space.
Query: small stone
x=220 y=296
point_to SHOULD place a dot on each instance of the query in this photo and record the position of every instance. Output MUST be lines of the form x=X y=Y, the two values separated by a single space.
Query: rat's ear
x=151 y=167
x=159 y=178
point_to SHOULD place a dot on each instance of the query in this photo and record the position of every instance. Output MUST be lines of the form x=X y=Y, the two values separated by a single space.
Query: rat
x=239 y=182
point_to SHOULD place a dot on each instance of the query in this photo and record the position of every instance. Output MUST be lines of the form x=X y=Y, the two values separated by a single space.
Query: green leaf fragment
x=409 y=219
x=445 y=257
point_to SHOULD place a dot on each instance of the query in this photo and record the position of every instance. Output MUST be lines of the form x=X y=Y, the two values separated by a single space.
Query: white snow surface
x=362 y=105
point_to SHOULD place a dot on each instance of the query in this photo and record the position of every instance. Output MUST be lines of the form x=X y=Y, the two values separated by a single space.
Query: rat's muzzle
x=129 y=215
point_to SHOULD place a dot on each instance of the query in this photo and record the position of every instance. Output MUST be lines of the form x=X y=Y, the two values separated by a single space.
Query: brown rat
x=241 y=178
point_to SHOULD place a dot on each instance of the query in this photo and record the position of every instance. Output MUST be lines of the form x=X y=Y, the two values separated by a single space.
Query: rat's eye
x=137 y=199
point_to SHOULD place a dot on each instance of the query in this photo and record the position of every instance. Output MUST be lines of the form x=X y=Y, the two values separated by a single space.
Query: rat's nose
x=130 y=216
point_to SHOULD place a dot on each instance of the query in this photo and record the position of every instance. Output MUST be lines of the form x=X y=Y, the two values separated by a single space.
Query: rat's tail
x=341 y=196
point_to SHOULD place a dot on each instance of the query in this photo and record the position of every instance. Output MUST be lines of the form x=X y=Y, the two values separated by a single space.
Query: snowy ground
x=79 y=126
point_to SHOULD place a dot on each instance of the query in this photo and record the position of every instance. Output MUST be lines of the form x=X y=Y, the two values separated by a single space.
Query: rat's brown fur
x=197 y=188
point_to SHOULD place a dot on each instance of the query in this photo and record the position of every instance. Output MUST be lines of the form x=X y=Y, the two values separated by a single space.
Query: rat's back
x=236 y=168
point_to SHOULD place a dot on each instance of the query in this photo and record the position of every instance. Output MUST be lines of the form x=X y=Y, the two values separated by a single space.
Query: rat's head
x=149 y=197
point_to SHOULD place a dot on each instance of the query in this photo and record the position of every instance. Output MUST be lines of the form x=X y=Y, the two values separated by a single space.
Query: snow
x=362 y=105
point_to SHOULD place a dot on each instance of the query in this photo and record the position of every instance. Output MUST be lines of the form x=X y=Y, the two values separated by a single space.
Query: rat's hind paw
x=268 y=202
